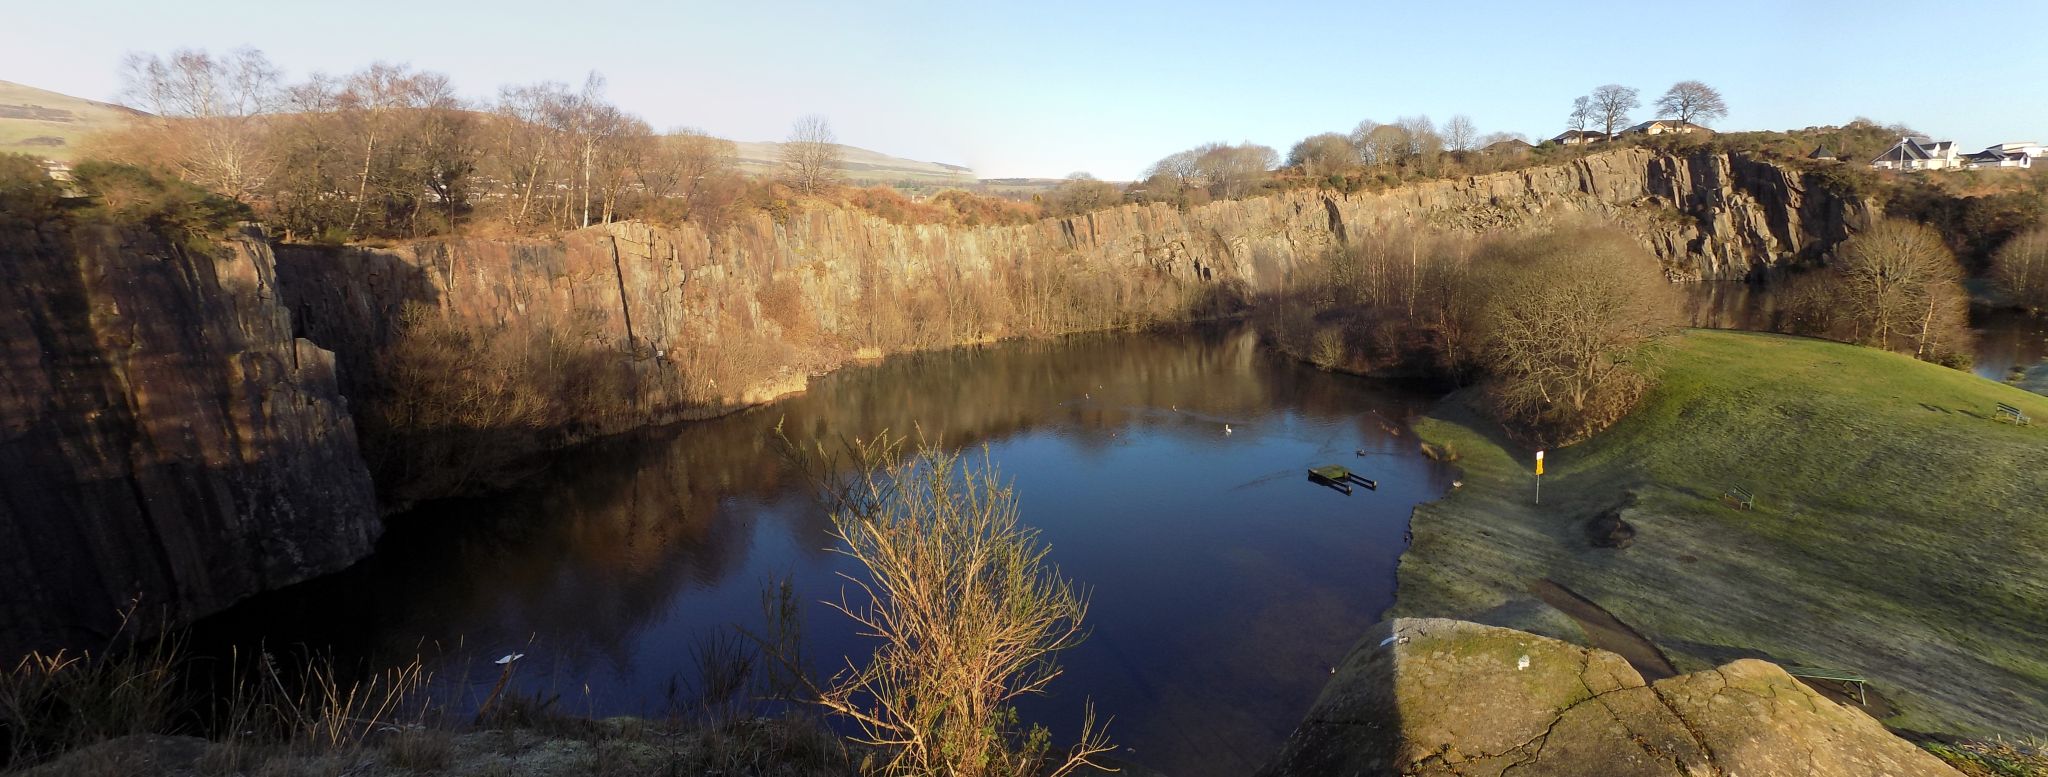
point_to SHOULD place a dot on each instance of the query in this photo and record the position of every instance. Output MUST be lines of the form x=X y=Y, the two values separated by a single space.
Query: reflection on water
x=2005 y=338
x=1225 y=585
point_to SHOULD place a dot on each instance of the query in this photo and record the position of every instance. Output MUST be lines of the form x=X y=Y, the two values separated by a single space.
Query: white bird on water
x=1226 y=428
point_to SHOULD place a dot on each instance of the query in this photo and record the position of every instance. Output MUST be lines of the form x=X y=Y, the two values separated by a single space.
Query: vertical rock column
x=165 y=440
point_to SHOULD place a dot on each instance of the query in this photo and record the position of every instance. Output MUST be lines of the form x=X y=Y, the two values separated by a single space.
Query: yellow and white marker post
x=1539 y=477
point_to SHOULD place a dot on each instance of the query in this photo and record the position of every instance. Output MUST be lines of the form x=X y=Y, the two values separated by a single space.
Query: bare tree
x=684 y=167
x=1693 y=102
x=1898 y=285
x=1459 y=133
x=2021 y=269
x=1562 y=318
x=1582 y=114
x=208 y=111
x=594 y=123
x=376 y=107
x=1324 y=155
x=811 y=156
x=1234 y=171
x=1388 y=144
x=1610 y=106
x=1079 y=194
x=1424 y=142
x=1362 y=140
x=532 y=126
x=1180 y=168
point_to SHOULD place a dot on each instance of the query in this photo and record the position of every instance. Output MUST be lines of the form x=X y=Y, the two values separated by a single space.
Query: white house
x=1665 y=127
x=1919 y=154
x=1992 y=157
x=2017 y=155
x=1578 y=138
x=2028 y=147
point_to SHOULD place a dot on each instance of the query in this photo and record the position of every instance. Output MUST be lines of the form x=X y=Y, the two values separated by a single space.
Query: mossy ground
x=1900 y=531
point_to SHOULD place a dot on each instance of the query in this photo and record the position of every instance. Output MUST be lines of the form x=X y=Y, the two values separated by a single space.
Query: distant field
x=50 y=125
x=1900 y=531
x=860 y=166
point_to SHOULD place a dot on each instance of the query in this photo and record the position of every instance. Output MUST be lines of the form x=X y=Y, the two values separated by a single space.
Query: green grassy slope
x=50 y=125
x=1899 y=531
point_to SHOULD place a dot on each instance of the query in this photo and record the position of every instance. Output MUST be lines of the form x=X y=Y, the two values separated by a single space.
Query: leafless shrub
x=2021 y=269
x=967 y=613
x=1562 y=319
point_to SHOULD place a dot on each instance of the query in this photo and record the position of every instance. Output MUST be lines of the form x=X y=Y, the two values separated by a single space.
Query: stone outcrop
x=166 y=440
x=1442 y=697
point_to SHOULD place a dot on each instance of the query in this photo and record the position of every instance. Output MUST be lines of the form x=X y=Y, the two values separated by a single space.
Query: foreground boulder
x=1442 y=697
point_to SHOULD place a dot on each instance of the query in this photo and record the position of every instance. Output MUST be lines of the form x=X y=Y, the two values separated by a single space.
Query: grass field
x=50 y=125
x=1899 y=531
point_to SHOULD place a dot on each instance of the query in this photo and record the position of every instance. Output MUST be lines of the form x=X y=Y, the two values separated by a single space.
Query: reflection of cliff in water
x=610 y=534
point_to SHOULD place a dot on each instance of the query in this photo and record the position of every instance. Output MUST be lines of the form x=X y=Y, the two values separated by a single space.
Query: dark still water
x=1225 y=584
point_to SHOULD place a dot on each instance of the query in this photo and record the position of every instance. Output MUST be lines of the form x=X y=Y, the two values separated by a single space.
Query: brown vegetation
x=391 y=152
x=1894 y=286
x=1551 y=322
x=968 y=614
x=2021 y=269
x=1561 y=322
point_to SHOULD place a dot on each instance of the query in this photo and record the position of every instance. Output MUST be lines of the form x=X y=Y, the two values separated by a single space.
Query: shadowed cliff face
x=162 y=434
x=443 y=343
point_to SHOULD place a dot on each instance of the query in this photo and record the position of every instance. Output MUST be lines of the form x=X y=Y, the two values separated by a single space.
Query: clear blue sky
x=1047 y=88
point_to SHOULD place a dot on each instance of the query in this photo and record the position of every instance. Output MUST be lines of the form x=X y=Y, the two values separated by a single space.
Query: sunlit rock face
x=1444 y=697
x=167 y=444
x=667 y=323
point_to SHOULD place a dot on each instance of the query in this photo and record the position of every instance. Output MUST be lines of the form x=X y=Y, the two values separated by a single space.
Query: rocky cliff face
x=165 y=438
x=165 y=433
x=669 y=323
x=1440 y=697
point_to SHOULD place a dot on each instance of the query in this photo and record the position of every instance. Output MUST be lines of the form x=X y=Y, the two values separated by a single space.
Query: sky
x=1044 y=89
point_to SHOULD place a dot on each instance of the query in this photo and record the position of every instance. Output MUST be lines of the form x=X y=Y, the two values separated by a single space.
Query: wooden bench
x=1740 y=497
x=2009 y=413
x=1832 y=675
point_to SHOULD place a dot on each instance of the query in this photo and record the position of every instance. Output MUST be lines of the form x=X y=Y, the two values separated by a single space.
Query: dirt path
x=1605 y=631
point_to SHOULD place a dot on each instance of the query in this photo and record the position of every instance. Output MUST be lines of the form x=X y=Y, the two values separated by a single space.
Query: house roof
x=1910 y=149
x=1511 y=144
x=1993 y=155
x=1569 y=134
x=1903 y=151
x=1821 y=152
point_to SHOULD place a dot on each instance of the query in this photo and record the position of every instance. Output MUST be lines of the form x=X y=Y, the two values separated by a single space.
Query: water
x=2005 y=338
x=1224 y=584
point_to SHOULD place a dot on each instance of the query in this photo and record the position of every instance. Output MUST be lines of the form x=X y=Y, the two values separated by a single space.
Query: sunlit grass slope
x=1900 y=530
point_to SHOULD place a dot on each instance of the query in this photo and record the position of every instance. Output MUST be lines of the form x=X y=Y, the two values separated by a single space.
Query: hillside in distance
x=859 y=166
x=50 y=125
